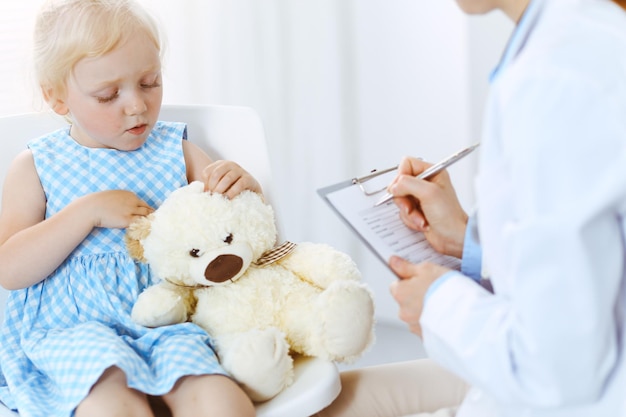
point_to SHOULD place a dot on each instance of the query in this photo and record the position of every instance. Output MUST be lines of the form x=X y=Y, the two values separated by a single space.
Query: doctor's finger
x=411 y=213
x=412 y=166
x=403 y=268
x=424 y=192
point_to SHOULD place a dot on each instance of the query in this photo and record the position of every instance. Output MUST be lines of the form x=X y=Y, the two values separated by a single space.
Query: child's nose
x=135 y=105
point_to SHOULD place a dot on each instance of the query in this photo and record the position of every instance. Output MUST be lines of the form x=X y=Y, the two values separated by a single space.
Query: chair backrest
x=18 y=130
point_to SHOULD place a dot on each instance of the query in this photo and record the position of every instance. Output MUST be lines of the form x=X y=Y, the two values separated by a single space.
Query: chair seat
x=315 y=386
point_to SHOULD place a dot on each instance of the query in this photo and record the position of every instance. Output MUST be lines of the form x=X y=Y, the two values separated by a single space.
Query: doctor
x=550 y=233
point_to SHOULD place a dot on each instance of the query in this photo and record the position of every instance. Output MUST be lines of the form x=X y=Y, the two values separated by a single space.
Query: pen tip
x=383 y=200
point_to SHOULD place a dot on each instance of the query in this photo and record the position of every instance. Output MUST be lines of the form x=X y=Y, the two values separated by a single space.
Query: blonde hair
x=67 y=31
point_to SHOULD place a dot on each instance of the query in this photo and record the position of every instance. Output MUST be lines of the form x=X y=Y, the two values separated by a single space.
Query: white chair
x=224 y=132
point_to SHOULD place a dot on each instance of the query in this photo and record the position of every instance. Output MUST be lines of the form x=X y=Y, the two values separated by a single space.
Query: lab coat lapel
x=519 y=37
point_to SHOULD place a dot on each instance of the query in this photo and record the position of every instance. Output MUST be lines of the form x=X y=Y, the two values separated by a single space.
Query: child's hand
x=228 y=178
x=117 y=208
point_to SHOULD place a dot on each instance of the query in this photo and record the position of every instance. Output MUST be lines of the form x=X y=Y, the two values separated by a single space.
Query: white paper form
x=380 y=228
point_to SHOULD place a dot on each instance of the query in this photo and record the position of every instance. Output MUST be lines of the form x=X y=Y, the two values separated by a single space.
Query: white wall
x=410 y=72
x=342 y=86
x=421 y=70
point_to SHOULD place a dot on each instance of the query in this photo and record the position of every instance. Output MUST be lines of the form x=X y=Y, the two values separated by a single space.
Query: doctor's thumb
x=402 y=268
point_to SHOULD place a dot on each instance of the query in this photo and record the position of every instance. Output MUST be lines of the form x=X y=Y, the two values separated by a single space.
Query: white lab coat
x=551 y=197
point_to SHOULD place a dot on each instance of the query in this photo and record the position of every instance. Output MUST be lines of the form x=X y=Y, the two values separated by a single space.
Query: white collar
x=520 y=35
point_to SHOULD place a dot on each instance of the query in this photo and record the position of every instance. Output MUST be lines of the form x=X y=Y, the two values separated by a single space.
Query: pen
x=435 y=169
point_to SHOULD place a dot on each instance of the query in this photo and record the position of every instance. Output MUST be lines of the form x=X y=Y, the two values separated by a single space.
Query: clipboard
x=380 y=228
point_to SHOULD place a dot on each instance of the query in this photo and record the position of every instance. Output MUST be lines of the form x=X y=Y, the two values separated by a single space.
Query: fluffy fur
x=204 y=245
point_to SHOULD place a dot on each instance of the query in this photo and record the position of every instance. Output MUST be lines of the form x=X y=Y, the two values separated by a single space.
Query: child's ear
x=55 y=101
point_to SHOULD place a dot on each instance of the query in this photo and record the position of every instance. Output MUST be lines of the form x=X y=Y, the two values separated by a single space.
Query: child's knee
x=111 y=396
x=211 y=395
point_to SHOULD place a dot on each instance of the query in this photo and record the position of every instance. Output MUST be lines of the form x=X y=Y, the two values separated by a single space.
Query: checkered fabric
x=276 y=253
x=62 y=333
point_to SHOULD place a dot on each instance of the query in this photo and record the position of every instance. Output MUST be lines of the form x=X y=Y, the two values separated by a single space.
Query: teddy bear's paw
x=345 y=324
x=158 y=306
x=259 y=361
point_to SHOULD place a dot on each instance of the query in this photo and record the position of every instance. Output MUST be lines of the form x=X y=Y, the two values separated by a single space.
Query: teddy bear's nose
x=223 y=268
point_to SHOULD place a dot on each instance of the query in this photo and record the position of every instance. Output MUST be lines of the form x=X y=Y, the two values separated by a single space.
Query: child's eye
x=154 y=84
x=108 y=98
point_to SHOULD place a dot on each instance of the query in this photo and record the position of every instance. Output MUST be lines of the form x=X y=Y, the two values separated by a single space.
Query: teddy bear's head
x=201 y=238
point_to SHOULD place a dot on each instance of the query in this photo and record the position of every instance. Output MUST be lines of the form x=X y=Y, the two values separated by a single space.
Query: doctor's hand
x=430 y=206
x=410 y=289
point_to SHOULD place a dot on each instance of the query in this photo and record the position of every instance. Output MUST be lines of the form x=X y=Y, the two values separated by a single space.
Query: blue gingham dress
x=61 y=334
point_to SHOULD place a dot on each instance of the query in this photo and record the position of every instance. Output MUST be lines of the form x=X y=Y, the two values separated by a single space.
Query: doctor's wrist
x=454 y=241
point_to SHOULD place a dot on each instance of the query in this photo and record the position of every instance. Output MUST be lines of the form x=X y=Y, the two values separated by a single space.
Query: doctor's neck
x=514 y=9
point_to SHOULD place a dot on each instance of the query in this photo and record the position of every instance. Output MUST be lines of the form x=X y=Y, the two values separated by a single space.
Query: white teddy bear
x=220 y=268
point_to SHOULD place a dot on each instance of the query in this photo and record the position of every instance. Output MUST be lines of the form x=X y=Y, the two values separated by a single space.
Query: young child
x=68 y=346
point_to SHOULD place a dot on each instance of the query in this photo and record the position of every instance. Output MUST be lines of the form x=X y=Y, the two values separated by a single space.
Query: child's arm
x=224 y=177
x=30 y=247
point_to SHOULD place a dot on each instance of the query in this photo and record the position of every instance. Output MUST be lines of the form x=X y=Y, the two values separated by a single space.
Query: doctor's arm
x=431 y=207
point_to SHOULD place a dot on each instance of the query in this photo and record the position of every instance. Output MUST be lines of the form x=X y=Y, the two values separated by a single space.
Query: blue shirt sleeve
x=471 y=262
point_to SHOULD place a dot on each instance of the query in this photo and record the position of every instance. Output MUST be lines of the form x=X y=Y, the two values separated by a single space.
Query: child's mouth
x=138 y=130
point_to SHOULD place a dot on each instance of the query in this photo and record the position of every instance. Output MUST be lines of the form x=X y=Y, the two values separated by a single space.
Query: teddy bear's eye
x=229 y=239
x=195 y=253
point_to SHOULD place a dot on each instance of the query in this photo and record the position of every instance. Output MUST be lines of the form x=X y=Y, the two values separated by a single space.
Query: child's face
x=114 y=100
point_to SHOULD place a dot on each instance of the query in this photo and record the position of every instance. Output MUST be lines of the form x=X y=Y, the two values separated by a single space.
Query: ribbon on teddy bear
x=276 y=253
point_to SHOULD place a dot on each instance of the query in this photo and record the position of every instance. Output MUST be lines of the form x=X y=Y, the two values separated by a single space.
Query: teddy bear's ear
x=135 y=233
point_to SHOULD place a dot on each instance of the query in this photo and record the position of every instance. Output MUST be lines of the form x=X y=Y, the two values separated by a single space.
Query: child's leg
x=208 y=395
x=159 y=408
x=397 y=389
x=110 y=396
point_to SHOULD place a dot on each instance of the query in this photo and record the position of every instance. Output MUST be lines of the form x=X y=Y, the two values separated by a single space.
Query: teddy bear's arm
x=320 y=264
x=163 y=304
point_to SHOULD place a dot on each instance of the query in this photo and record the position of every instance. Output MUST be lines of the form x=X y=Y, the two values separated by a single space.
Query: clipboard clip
x=362 y=181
